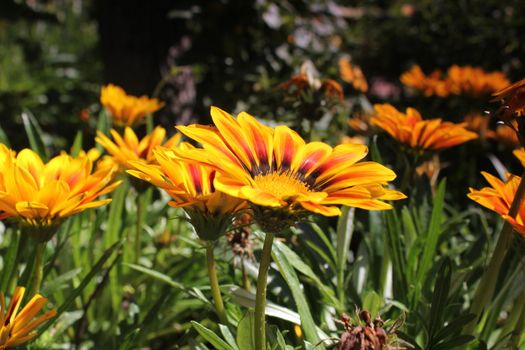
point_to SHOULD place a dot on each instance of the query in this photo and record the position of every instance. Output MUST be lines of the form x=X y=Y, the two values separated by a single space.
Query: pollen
x=281 y=185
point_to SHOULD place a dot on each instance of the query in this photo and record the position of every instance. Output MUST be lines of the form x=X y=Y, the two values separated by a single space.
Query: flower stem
x=260 y=296
x=38 y=268
x=214 y=283
x=486 y=286
x=138 y=229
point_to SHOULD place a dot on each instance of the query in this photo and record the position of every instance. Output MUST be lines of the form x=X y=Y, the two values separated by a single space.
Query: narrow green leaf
x=288 y=273
x=432 y=236
x=228 y=336
x=3 y=138
x=210 y=336
x=345 y=230
x=156 y=275
x=10 y=261
x=34 y=134
x=459 y=341
x=77 y=144
x=77 y=291
x=245 y=332
x=439 y=298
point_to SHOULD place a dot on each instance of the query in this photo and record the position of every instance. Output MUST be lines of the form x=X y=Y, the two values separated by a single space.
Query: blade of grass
x=34 y=134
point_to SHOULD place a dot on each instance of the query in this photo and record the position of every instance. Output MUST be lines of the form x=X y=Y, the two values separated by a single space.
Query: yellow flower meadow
x=127 y=110
x=16 y=326
x=40 y=195
x=410 y=129
x=129 y=148
x=274 y=167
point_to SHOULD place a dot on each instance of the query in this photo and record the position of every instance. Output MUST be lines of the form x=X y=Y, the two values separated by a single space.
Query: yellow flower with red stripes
x=191 y=187
x=16 y=326
x=276 y=168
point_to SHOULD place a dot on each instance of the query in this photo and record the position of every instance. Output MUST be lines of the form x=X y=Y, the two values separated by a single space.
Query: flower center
x=281 y=185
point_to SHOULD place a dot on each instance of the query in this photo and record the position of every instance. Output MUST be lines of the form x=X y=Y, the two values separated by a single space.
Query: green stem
x=138 y=228
x=260 y=296
x=214 y=283
x=486 y=286
x=38 y=268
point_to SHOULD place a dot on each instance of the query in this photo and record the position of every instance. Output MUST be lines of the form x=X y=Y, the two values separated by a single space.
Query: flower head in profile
x=17 y=325
x=512 y=100
x=281 y=174
x=499 y=197
x=352 y=74
x=128 y=147
x=421 y=135
x=40 y=195
x=191 y=187
x=127 y=110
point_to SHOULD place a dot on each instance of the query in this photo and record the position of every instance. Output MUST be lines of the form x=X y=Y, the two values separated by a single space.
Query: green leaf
x=77 y=144
x=10 y=261
x=77 y=291
x=439 y=298
x=3 y=138
x=458 y=341
x=288 y=273
x=432 y=236
x=34 y=134
x=245 y=332
x=211 y=337
x=228 y=336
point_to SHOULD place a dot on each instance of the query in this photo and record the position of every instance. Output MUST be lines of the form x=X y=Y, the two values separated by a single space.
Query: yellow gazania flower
x=16 y=327
x=129 y=148
x=275 y=168
x=125 y=109
x=410 y=129
x=41 y=195
x=499 y=197
x=191 y=187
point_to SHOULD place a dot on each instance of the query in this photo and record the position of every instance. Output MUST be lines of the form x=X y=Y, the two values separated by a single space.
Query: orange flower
x=127 y=110
x=477 y=123
x=422 y=135
x=352 y=74
x=499 y=197
x=466 y=80
x=129 y=148
x=275 y=168
x=17 y=327
x=361 y=123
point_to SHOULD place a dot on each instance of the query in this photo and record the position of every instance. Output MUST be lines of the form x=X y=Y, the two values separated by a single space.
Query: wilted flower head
x=275 y=169
x=191 y=187
x=40 y=195
x=129 y=148
x=499 y=197
x=512 y=99
x=352 y=74
x=421 y=135
x=16 y=326
x=127 y=110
